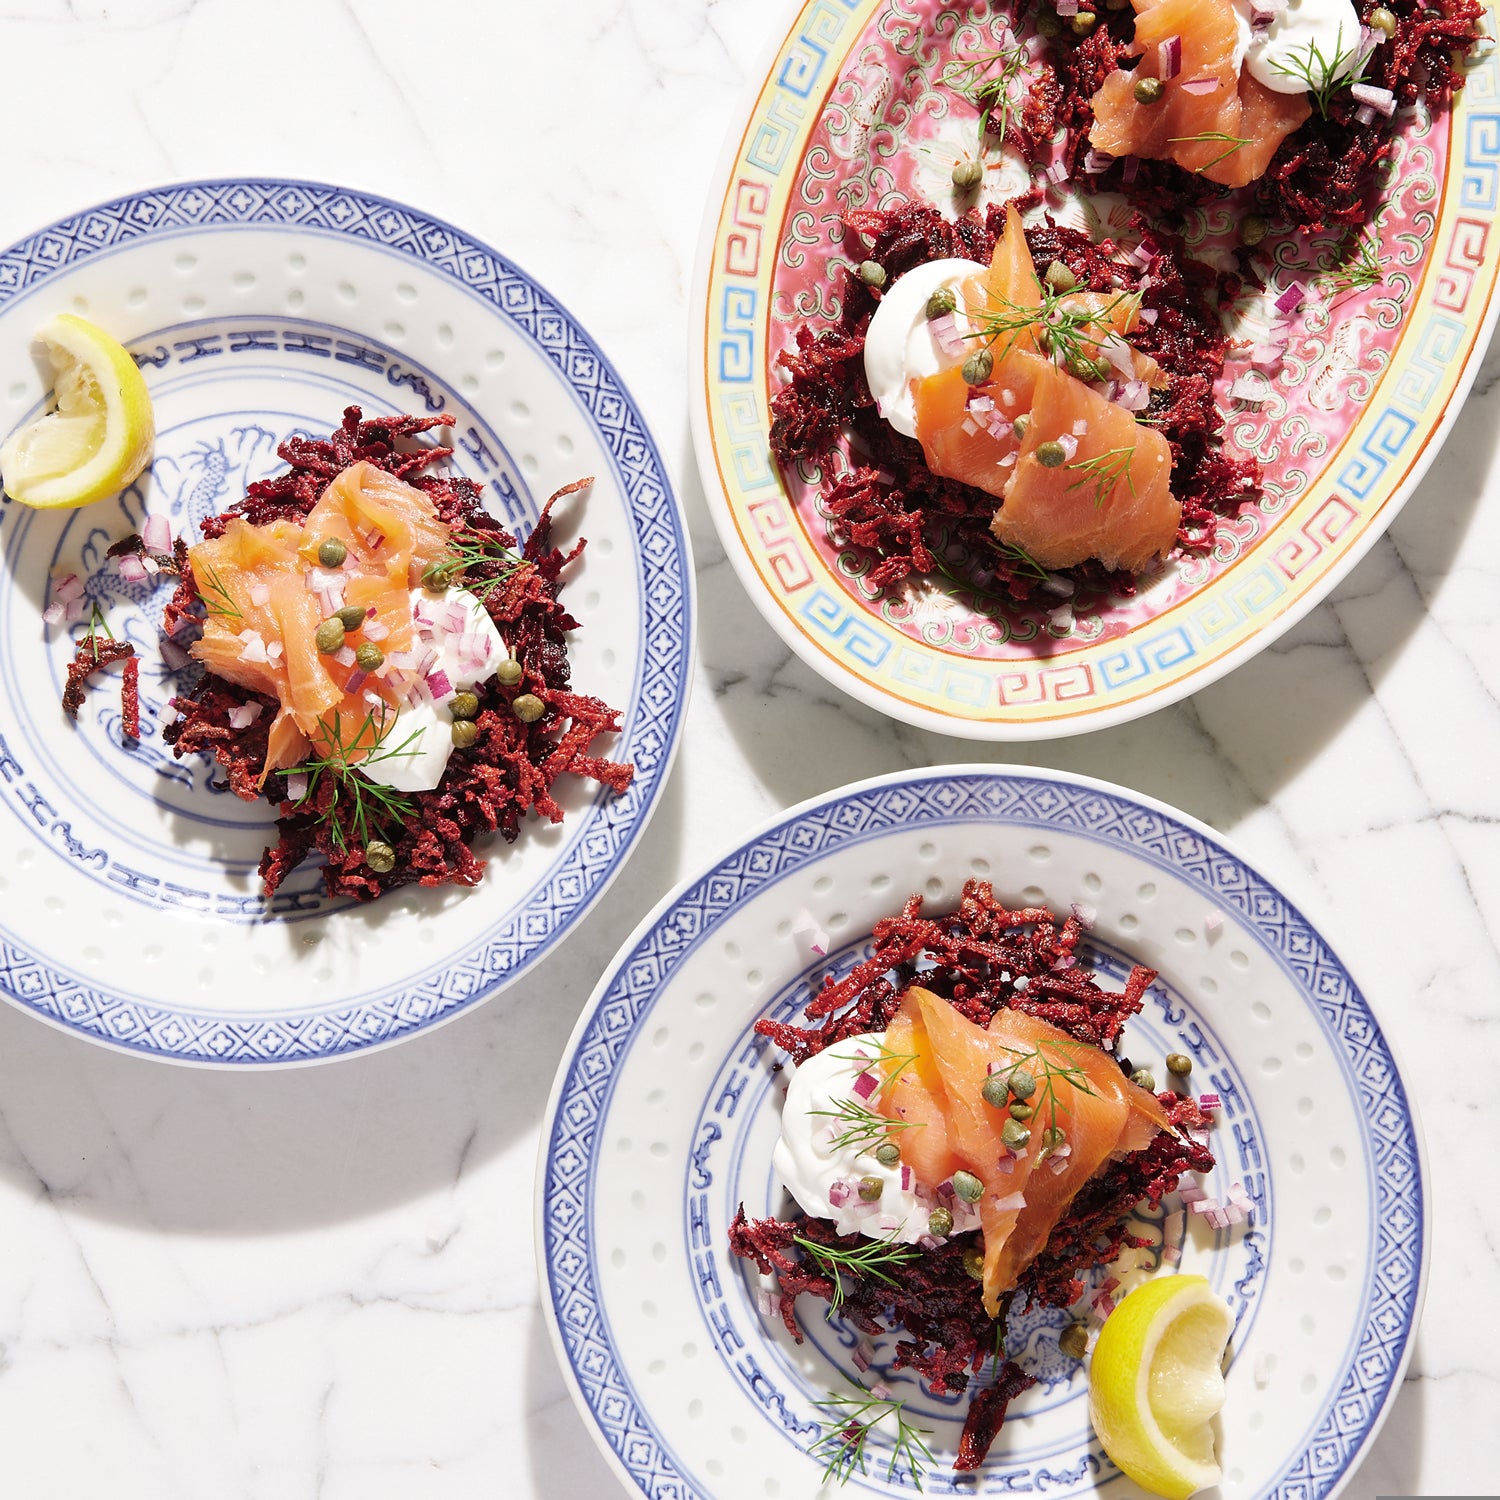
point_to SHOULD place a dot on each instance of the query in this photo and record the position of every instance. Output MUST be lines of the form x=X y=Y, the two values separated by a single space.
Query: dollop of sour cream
x=1282 y=55
x=809 y=1163
x=899 y=343
x=419 y=741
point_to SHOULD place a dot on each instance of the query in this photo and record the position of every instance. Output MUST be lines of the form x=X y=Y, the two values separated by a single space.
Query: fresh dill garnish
x=989 y=91
x=1360 y=267
x=97 y=622
x=222 y=601
x=1232 y=143
x=1074 y=336
x=868 y=1258
x=1035 y=1060
x=850 y=1419
x=1324 y=76
x=1104 y=471
x=357 y=804
x=468 y=550
x=861 y=1126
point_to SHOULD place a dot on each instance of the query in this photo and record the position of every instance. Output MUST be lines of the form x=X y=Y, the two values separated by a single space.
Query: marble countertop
x=320 y=1283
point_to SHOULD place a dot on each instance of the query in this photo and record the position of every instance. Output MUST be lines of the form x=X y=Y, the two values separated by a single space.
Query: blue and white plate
x=666 y=1108
x=130 y=907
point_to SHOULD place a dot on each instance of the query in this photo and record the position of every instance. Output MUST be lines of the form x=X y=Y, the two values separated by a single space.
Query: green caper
x=1048 y=23
x=967 y=175
x=1020 y=1111
x=1059 y=277
x=1015 y=1135
x=1148 y=90
x=351 y=616
x=465 y=732
x=332 y=552
x=1142 y=1078
x=380 y=857
x=1074 y=1340
x=329 y=637
x=528 y=708
x=1054 y=1138
x=940 y=1223
x=1051 y=455
x=967 y=1186
x=1022 y=1084
x=437 y=577
x=872 y=273
x=369 y=657
x=464 y=706
x=888 y=1155
x=941 y=302
x=870 y=1188
x=1179 y=1064
x=974 y=1262
x=1253 y=229
x=510 y=672
x=1020 y=425
x=1083 y=23
x=996 y=1090
x=1383 y=21
x=978 y=367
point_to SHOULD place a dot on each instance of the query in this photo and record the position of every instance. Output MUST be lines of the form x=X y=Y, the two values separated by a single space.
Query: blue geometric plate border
x=665 y=587
x=573 y=1140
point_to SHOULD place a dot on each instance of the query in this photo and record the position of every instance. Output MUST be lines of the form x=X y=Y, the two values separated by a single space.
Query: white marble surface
x=320 y=1283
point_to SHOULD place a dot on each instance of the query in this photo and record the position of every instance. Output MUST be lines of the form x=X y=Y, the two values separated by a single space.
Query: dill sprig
x=1208 y=137
x=468 y=550
x=989 y=91
x=1104 y=471
x=357 y=805
x=869 y=1258
x=1052 y=1073
x=862 y=1126
x=97 y=622
x=851 y=1417
x=1074 y=336
x=1324 y=76
x=1361 y=266
x=217 y=599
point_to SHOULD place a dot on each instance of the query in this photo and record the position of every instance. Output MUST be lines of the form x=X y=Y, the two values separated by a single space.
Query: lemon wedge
x=1155 y=1384
x=99 y=437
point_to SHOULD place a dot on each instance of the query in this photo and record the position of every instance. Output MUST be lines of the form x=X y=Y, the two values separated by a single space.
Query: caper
x=510 y=672
x=369 y=657
x=1020 y=425
x=872 y=273
x=1054 y=1138
x=380 y=857
x=1383 y=21
x=464 y=706
x=978 y=367
x=1020 y=1111
x=1074 y=1340
x=888 y=1155
x=1083 y=23
x=351 y=616
x=1148 y=90
x=940 y=1223
x=1048 y=23
x=967 y=1186
x=1051 y=455
x=941 y=302
x=996 y=1090
x=967 y=175
x=465 y=732
x=329 y=637
x=1142 y=1078
x=870 y=1188
x=1015 y=1135
x=437 y=576
x=1253 y=229
x=1022 y=1084
x=332 y=552
x=1059 y=277
x=1179 y=1064
x=974 y=1262
x=528 y=708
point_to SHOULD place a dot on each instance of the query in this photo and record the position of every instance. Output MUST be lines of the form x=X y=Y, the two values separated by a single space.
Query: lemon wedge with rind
x=97 y=439
x=1155 y=1384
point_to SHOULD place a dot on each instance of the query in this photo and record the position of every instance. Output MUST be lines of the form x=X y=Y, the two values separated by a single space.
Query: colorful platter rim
x=1346 y=432
x=665 y=1108
x=260 y=307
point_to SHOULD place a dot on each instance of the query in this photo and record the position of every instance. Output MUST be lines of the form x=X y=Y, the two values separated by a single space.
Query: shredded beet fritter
x=511 y=768
x=983 y=957
x=93 y=654
x=1324 y=174
x=893 y=505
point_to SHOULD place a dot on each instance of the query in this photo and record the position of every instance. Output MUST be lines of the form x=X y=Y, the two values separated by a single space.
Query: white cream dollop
x=809 y=1163
x=899 y=345
x=419 y=740
x=1281 y=55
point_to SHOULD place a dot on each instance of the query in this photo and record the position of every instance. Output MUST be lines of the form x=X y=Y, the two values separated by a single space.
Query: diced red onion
x=1081 y=427
x=403 y=661
x=356 y=680
x=1148 y=315
x=931 y=1242
x=1213 y=921
x=131 y=568
x=1066 y=8
x=1061 y=618
x=1209 y=1101
x=429 y=660
x=945 y=1191
x=243 y=715
x=1069 y=445
x=1020 y=982
x=1058 y=1165
x=168 y=715
x=438 y=684
x=1171 y=1255
x=1132 y=167
x=1169 y=58
x=861 y=1360
x=840 y=1192
x=151 y=566
x=1064 y=588
x=1095 y=162
x=945 y=331
x=1016 y=1201
x=1291 y=299
x=765 y=1303
x=981 y=404
x=1248 y=387
x=274 y=651
x=54 y=612
x=67 y=588
x=1104 y=1305
x=1085 y=916
x=968 y=427
x=173 y=654
x=259 y=594
x=1267 y=358
x=375 y=631
x=296 y=787
x=1006 y=1164
x=1199 y=85
x=880 y=1391
x=1365 y=114
x=864 y=1085
x=1263 y=13
x=1135 y=395
x=1057 y=173
x=344 y=656
x=906 y=1178
x=455 y=619
x=156 y=534
x=252 y=647
x=1382 y=100
x=1191 y=1193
